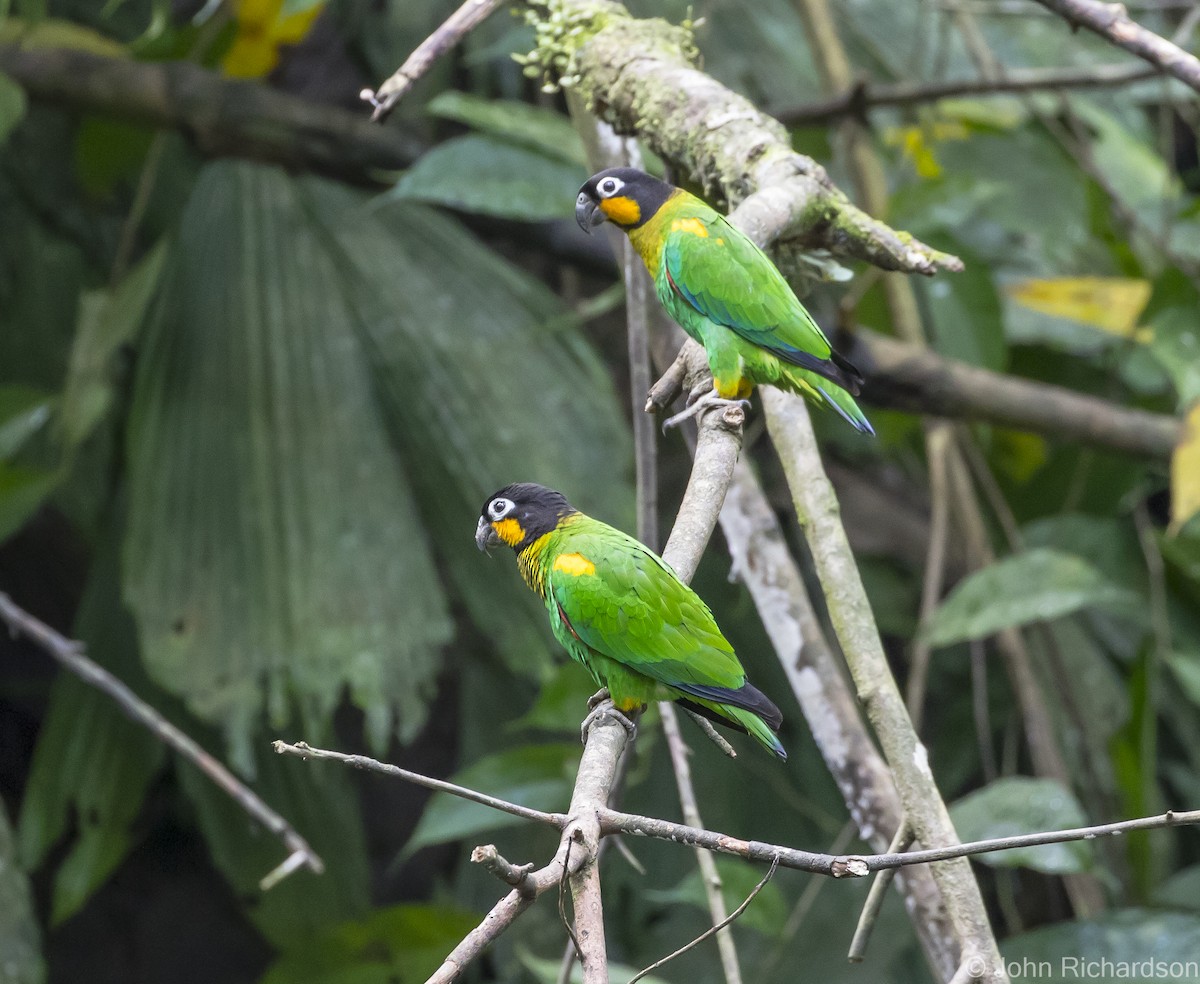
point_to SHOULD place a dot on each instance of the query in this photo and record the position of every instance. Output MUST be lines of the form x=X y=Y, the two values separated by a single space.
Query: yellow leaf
x=251 y=56
x=1112 y=304
x=292 y=30
x=1185 y=472
x=918 y=142
x=261 y=31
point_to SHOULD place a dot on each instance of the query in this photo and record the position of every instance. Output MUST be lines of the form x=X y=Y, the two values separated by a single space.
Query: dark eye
x=608 y=186
x=499 y=507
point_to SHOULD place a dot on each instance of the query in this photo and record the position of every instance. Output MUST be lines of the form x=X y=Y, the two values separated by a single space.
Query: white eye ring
x=500 y=507
x=610 y=186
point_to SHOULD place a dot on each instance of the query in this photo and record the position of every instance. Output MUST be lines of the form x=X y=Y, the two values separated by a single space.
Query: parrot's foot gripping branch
x=604 y=708
x=695 y=407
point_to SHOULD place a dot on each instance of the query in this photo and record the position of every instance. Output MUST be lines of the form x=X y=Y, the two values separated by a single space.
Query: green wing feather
x=659 y=638
x=731 y=282
x=634 y=610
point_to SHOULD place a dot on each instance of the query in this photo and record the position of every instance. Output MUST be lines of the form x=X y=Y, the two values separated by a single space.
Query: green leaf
x=1175 y=344
x=91 y=763
x=109 y=320
x=1185 y=665
x=402 y=944
x=537 y=776
x=547 y=971
x=457 y=341
x=23 y=412
x=322 y=804
x=1131 y=944
x=13 y=105
x=560 y=702
x=1181 y=890
x=532 y=127
x=22 y=491
x=19 y=937
x=965 y=313
x=491 y=177
x=52 y=32
x=274 y=555
x=766 y=914
x=1021 y=805
x=1033 y=586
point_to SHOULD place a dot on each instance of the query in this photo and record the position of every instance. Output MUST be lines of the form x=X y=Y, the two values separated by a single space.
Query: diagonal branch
x=222 y=117
x=638 y=75
x=70 y=654
x=863 y=97
x=902 y=376
x=586 y=822
x=1111 y=22
x=457 y=26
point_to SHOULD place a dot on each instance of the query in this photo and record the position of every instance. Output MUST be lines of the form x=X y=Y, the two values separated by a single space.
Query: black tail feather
x=748 y=697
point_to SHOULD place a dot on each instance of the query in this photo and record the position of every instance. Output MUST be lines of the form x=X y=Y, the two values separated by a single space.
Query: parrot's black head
x=519 y=514
x=624 y=196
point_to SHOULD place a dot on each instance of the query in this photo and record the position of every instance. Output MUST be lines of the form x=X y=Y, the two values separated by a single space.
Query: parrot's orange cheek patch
x=574 y=564
x=509 y=531
x=622 y=210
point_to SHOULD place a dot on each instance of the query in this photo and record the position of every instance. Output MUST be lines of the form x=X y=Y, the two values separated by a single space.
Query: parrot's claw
x=698 y=406
x=599 y=697
x=604 y=708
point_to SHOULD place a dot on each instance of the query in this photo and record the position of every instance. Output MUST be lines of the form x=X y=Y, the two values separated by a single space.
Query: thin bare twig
x=709 y=875
x=608 y=821
x=562 y=902
x=1111 y=22
x=866 y=96
x=715 y=929
x=938 y=438
x=870 y=910
x=501 y=867
x=860 y=865
x=457 y=26
x=71 y=654
x=711 y=733
x=304 y=750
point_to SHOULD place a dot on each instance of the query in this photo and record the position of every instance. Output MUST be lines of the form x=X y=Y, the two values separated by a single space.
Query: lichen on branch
x=640 y=76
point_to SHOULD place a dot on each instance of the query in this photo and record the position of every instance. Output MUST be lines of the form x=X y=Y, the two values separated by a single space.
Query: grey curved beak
x=485 y=536
x=587 y=214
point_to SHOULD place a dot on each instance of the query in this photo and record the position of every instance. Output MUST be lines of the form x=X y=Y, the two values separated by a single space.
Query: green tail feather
x=824 y=393
x=739 y=718
x=756 y=727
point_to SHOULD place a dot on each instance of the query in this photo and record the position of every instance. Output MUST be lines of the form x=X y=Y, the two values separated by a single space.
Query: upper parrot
x=621 y=611
x=724 y=292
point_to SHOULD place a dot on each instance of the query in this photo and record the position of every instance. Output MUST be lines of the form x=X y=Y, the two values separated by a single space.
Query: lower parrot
x=619 y=610
x=723 y=291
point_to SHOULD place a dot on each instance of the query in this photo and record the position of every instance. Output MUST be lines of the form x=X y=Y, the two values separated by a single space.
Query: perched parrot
x=724 y=292
x=621 y=611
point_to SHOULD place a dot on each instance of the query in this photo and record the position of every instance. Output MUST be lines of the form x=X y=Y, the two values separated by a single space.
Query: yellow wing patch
x=693 y=226
x=574 y=564
x=623 y=210
x=510 y=531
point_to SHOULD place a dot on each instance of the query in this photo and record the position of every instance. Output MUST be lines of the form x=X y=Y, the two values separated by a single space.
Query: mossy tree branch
x=639 y=75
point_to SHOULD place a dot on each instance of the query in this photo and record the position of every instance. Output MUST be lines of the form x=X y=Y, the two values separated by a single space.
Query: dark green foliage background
x=244 y=436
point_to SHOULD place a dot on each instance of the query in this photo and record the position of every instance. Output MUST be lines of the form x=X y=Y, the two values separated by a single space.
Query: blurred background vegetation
x=248 y=415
